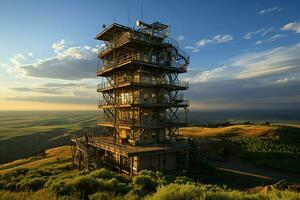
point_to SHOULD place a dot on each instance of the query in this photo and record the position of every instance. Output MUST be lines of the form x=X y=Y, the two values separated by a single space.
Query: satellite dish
x=138 y=23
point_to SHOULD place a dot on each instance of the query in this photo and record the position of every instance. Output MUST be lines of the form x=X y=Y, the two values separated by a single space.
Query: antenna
x=114 y=11
x=128 y=17
x=142 y=17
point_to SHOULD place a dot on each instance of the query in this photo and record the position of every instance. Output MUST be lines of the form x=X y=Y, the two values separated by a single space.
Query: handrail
x=141 y=101
x=143 y=80
x=135 y=122
x=107 y=65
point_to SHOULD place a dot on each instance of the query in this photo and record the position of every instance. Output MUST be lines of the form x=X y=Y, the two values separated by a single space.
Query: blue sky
x=228 y=42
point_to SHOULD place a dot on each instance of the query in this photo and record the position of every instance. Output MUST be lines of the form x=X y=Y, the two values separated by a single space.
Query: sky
x=244 y=54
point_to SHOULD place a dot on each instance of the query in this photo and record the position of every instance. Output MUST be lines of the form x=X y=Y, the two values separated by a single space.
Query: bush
x=183 y=180
x=17 y=172
x=123 y=178
x=86 y=185
x=177 y=191
x=122 y=188
x=32 y=184
x=83 y=172
x=102 y=173
x=100 y=196
x=147 y=173
x=145 y=183
x=38 y=172
x=61 y=187
x=11 y=186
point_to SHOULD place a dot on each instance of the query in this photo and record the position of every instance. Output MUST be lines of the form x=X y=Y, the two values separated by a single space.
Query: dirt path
x=247 y=170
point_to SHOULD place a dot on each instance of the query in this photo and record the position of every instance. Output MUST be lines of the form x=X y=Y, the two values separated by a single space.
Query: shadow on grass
x=24 y=146
x=286 y=162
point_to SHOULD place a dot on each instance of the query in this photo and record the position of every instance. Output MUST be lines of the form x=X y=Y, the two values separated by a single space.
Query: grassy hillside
x=274 y=146
x=25 y=133
x=52 y=178
x=52 y=155
x=234 y=130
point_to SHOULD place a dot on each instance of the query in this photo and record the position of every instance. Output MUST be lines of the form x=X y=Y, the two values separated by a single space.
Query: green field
x=279 y=151
x=57 y=180
x=25 y=133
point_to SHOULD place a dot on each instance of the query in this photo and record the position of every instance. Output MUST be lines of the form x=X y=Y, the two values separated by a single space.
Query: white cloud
x=58 y=46
x=30 y=54
x=260 y=80
x=180 y=38
x=271 y=39
x=282 y=61
x=270 y=62
x=18 y=59
x=217 y=39
x=75 y=89
x=258 y=42
x=268 y=10
x=4 y=65
x=70 y=63
x=261 y=32
x=293 y=26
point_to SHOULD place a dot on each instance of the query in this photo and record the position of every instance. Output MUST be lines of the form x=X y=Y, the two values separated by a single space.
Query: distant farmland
x=25 y=133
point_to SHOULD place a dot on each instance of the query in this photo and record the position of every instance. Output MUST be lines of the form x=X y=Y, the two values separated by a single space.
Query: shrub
x=177 y=191
x=183 y=180
x=148 y=173
x=86 y=185
x=61 y=187
x=123 y=178
x=100 y=196
x=11 y=186
x=17 y=172
x=83 y=172
x=111 y=184
x=145 y=183
x=122 y=188
x=38 y=173
x=32 y=184
x=102 y=173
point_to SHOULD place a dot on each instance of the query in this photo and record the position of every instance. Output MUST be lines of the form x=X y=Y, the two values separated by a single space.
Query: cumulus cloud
x=4 y=65
x=68 y=63
x=217 y=39
x=261 y=32
x=58 y=46
x=293 y=26
x=268 y=10
x=18 y=59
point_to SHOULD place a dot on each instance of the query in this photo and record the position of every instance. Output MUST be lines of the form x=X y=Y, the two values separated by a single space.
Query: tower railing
x=109 y=65
x=146 y=123
x=127 y=37
x=143 y=80
x=180 y=102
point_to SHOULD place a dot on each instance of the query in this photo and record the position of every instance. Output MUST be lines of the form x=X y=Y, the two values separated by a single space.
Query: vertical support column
x=79 y=161
x=131 y=160
x=120 y=163
x=187 y=159
x=158 y=161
